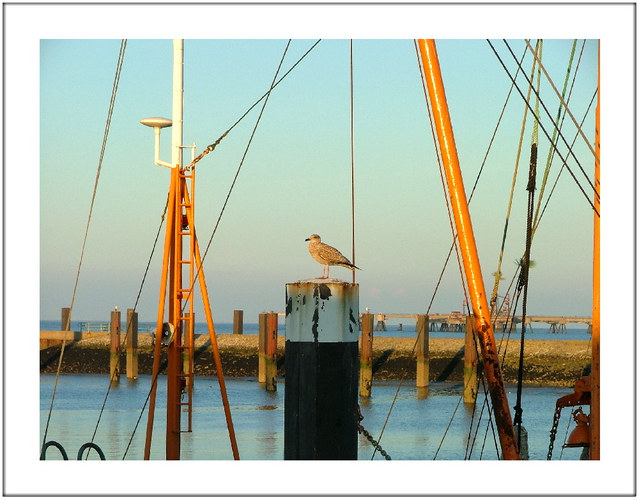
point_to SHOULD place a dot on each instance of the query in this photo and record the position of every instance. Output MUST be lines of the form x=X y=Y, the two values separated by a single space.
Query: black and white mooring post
x=322 y=370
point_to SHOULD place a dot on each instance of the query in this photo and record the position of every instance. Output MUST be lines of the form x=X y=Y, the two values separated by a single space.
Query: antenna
x=158 y=123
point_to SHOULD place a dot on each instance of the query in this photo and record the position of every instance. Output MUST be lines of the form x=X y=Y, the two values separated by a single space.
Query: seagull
x=327 y=255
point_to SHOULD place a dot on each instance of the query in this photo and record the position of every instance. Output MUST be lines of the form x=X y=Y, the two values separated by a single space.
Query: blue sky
x=296 y=178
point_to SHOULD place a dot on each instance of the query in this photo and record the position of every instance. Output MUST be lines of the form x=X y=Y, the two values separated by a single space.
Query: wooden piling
x=131 y=344
x=270 y=358
x=470 y=363
x=320 y=402
x=261 y=349
x=423 y=352
x=114 y=370
x=65 y=323
x=238 y=322
x=366 y=356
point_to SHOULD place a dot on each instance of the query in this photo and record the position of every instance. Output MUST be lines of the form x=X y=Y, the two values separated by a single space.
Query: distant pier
x=456 y=321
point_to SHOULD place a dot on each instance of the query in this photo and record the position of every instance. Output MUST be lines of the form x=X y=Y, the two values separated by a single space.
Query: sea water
x=431 y=424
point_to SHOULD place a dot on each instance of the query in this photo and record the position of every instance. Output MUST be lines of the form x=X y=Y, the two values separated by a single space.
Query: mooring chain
x=553 y=432
x=367 y=435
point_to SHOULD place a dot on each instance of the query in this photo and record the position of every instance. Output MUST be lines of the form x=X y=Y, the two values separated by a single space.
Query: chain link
x=553 y=432
x=367 y=435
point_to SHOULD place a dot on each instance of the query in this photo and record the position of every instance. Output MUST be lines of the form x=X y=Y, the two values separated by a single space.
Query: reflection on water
x=425 y=424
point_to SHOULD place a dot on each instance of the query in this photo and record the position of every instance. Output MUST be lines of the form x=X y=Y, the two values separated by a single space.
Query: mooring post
x=131 y=344
x=238 y=321
x=270 y=358
x=423 y=352
x=65 y=323
x=366 y=356
x=320 y=403
x=261 y=349
x=114 y=370
x=470 y=363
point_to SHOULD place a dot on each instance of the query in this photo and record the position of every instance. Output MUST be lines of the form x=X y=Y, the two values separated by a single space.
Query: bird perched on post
x=327 y=255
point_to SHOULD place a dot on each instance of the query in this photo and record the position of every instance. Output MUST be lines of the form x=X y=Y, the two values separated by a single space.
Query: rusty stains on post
x=270 y=371
x=470 y=363
x=131 y=344
x=261 y=349
x=114 y=370
x=366 y=356
x=423 y=351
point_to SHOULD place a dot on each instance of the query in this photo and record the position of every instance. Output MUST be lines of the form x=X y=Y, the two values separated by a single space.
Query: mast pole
x=472 y=269
x=174 y=390
x=594 y=371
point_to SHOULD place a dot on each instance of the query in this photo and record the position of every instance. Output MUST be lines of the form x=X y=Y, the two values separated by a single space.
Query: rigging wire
x=239 y=168
x=498 y=275
x=114 y=91
x=525 y=266
x=554 y=145
x=128 y=325
x=266 y=95
x=557 y=128
x=565 y=104
x=559 y=119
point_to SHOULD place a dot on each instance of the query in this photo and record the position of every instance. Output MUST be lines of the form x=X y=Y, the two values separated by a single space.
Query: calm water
x=539 y=330
x=415 y=430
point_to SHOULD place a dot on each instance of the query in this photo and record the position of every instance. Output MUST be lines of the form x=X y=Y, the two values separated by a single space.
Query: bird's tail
x=349 y=265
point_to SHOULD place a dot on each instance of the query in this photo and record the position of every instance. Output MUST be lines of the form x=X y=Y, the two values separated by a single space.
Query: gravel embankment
x=547 y=362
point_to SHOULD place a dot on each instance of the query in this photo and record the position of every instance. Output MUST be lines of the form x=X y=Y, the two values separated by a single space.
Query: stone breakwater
x=547 y=362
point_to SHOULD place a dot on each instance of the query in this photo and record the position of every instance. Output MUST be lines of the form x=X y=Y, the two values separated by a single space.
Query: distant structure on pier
x=455 y=321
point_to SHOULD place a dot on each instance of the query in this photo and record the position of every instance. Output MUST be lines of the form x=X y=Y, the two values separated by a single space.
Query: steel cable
x=86 y=232
x=554 y=145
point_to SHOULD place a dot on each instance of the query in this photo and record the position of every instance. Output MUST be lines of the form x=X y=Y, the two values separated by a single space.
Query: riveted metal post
x=366 y=356
x=423 y=351
x=320 y=404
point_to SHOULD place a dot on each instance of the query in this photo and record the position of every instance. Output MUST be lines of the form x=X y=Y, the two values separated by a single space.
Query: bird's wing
x=332 y=255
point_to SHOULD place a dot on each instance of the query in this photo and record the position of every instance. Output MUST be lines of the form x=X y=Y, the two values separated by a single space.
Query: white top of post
x=322 y=310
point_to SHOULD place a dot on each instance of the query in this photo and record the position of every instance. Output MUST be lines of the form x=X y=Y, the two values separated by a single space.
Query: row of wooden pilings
x=422 y=349
x=267 y=351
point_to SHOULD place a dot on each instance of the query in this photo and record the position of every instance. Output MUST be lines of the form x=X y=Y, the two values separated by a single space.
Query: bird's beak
x=307 y=239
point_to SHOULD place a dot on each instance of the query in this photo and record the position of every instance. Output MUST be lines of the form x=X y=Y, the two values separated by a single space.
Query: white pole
x=178 y=102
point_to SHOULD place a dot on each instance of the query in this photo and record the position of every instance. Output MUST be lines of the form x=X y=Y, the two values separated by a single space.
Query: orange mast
x=594 y=372
x=472 y=269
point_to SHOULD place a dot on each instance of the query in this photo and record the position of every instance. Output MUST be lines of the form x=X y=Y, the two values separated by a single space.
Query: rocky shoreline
x=547 y=362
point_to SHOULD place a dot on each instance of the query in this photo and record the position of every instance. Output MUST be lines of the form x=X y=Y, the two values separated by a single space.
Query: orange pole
x=174 y=354
x=594 y=372
x=214 y=348
x=160 y=318
x=472 y=269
